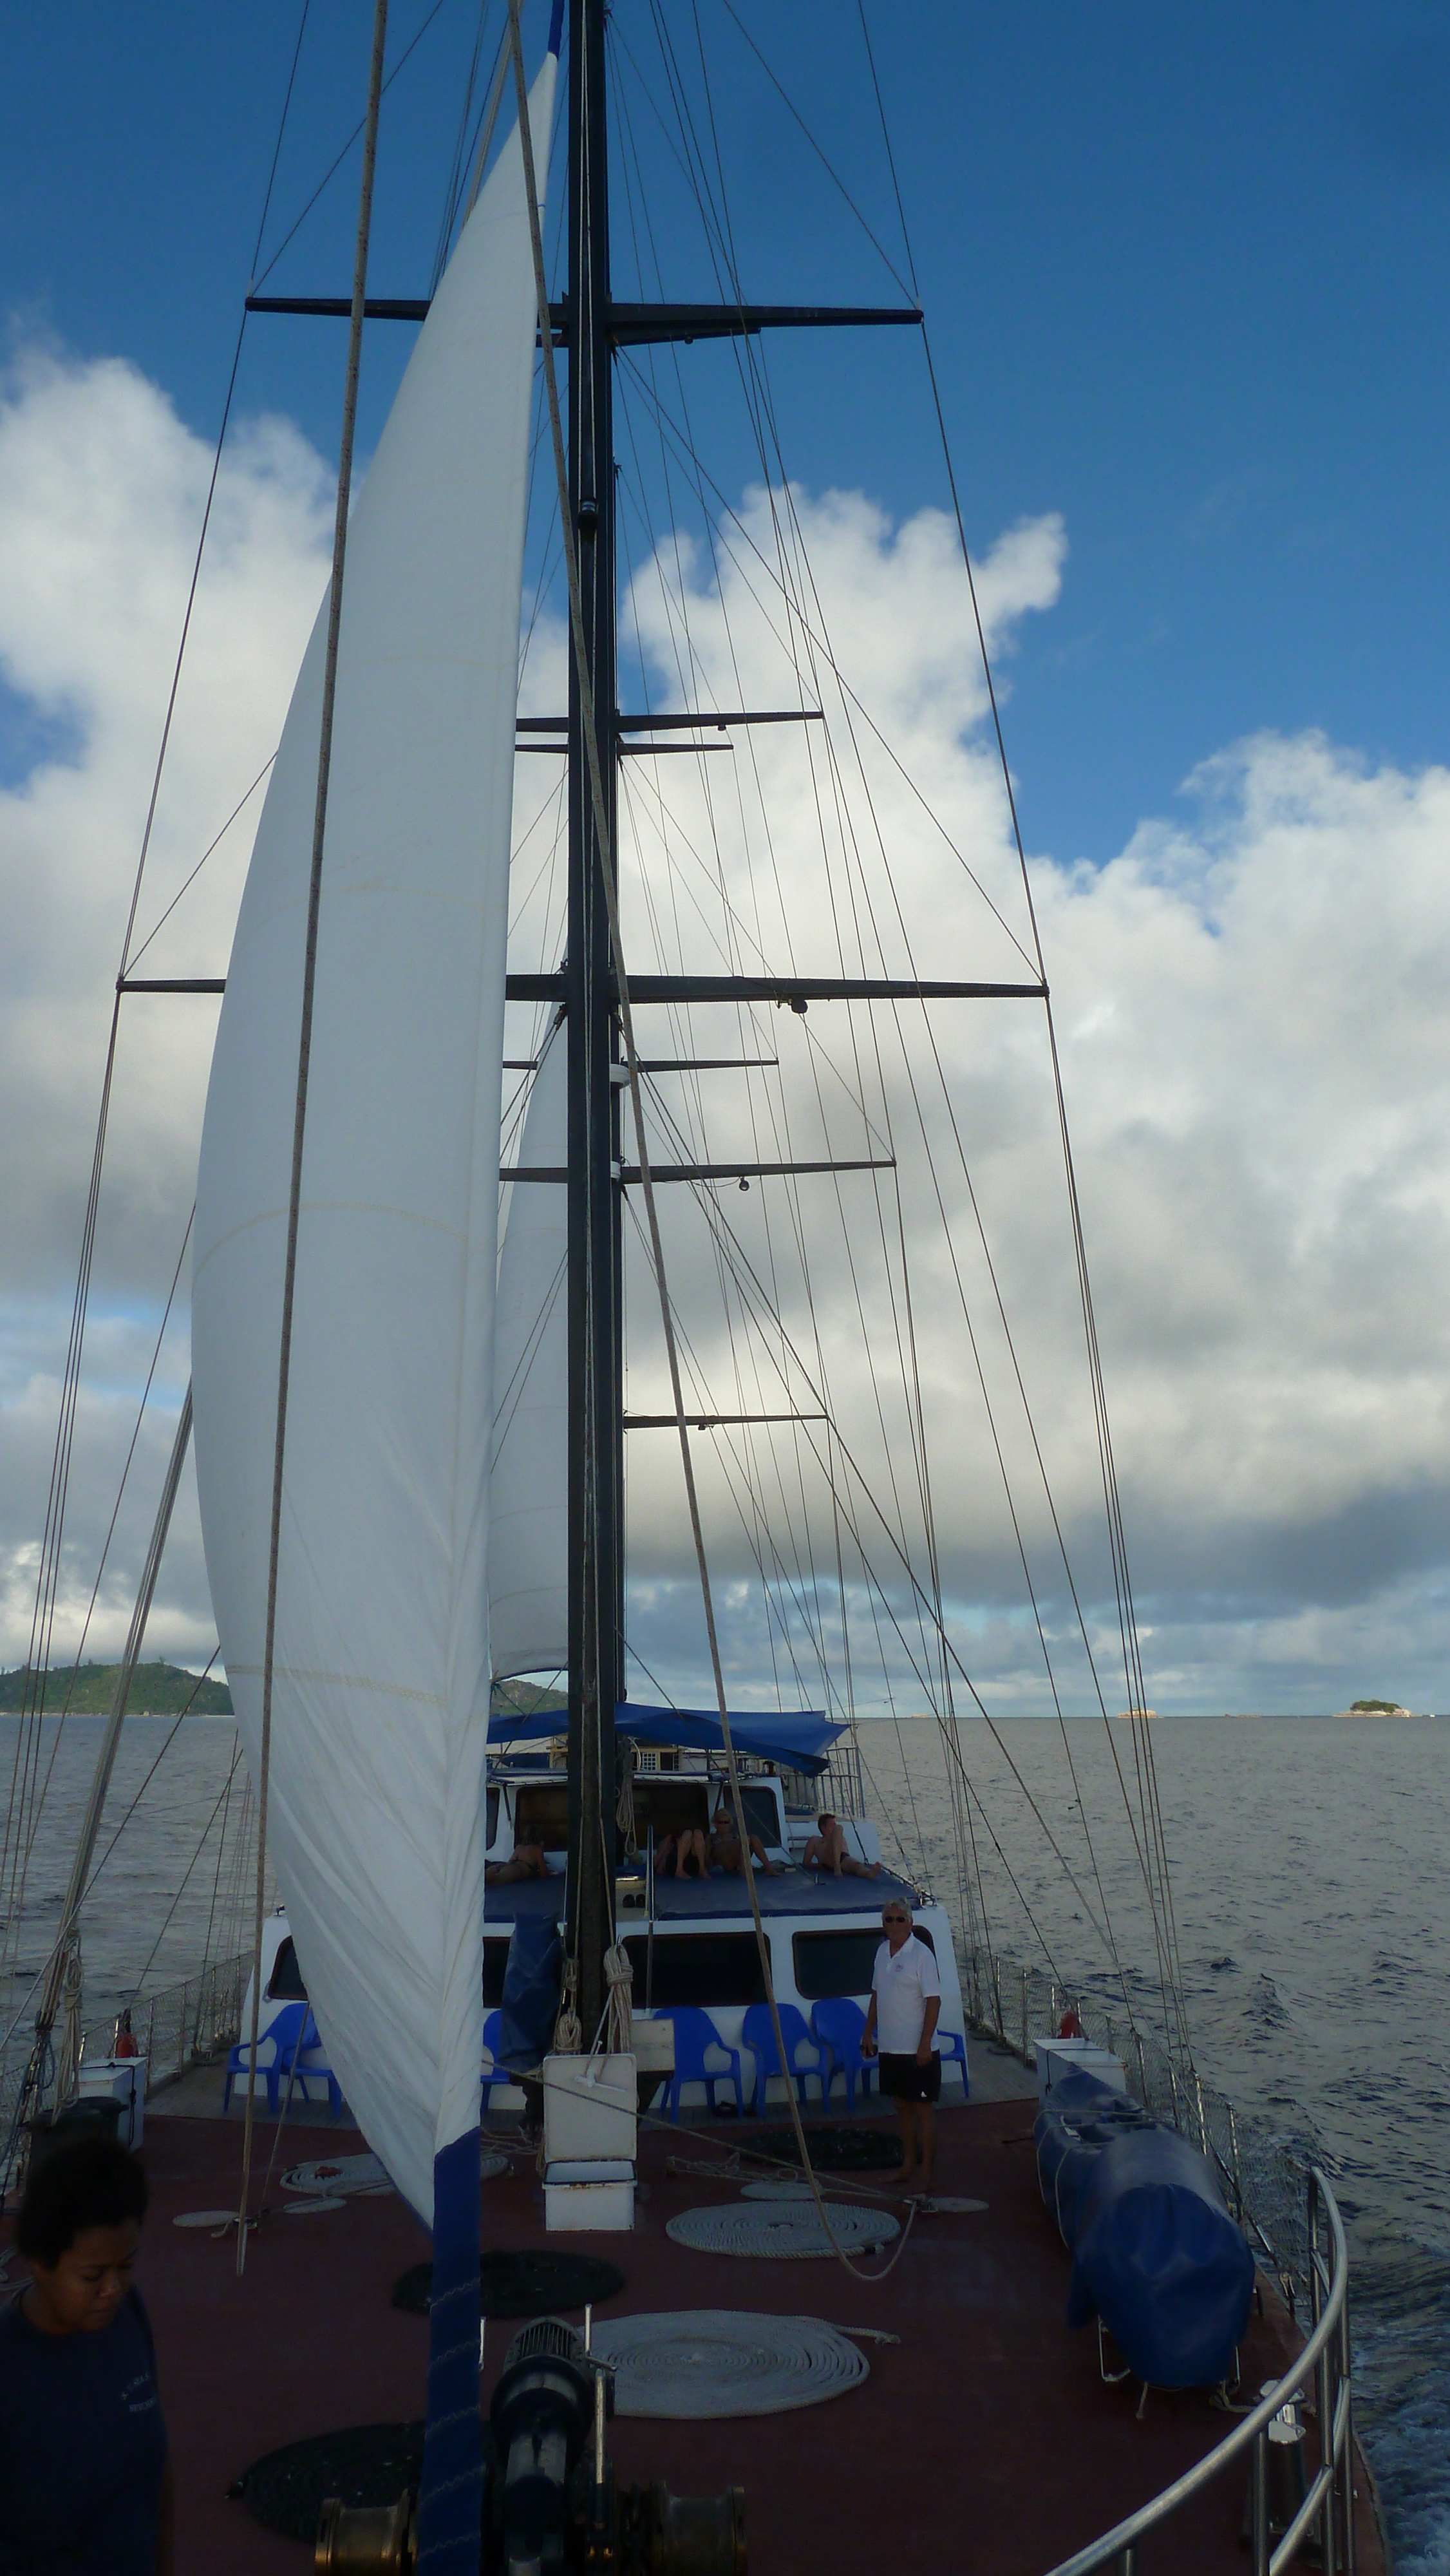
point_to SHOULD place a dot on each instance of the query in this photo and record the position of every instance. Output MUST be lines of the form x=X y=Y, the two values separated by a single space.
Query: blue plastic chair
x=281 y=2033
x=695 y=2036
x=301 y=2076
x=758 y=2034
x=494 y=2074
x=954 y=2053
x=836 y=2027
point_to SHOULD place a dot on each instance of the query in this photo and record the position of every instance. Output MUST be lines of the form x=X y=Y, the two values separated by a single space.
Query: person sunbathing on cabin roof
x=527 y=1861
x=678 y=1850
x=725 y=1851
x=827 y=1850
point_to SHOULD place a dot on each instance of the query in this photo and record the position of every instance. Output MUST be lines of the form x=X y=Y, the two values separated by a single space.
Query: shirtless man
x=725 y=1849
x=527 y=1862
x=827 y=1850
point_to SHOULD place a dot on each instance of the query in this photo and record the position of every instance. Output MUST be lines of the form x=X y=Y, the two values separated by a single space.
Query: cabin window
x=762 y=1815
x=670 y=1806
x=495 y=1960
x=491 y=1828
x=285 y=1982
x=541 y=1814
x=697 y=1968
x=840 y=1963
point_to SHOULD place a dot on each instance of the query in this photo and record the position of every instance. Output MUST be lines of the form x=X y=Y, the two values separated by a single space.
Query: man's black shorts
x=907 y=2081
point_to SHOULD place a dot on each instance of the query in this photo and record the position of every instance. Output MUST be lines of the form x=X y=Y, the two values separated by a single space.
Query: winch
x=551 y=2506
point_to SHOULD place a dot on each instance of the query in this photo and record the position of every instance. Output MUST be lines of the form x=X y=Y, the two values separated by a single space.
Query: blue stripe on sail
x=450 y=2502
x=556 y=26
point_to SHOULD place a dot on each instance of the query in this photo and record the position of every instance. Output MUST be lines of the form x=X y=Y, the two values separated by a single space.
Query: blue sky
x=1187 y=273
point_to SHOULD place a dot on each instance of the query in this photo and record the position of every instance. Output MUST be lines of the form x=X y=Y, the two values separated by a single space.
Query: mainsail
x=529 y=1489
x=381 y=1667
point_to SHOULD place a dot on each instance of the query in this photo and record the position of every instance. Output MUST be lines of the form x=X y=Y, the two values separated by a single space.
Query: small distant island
x=1375 y=1708
x=157 y=1690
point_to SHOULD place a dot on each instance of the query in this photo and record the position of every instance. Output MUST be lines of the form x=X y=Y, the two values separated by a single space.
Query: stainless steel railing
x=1327 y=2507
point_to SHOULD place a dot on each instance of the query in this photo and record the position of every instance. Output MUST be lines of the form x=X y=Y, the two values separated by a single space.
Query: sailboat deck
x=986 y=2433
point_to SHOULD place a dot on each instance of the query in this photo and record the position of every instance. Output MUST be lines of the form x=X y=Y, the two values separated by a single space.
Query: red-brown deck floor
x=985 y=2440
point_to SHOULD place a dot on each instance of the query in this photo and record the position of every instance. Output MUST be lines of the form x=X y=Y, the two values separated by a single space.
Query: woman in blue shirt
x=85 y=2483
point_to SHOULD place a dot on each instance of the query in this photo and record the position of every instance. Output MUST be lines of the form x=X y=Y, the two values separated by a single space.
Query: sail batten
x=382 y=1667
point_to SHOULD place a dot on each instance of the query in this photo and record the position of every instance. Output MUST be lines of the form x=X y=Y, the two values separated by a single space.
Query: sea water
x=1313 y=1922
x=1309 y=1881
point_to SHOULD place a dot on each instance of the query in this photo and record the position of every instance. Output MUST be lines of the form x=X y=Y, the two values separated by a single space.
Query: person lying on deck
x=827 y=1850
x=725 y=1849
x=527 y=1861
x=678 y=1850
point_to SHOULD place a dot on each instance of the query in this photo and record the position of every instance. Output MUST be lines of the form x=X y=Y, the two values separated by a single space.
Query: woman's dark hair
x=95 y=2183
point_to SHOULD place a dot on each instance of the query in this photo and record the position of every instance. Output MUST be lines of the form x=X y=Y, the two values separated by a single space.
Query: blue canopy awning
x=800 y=1739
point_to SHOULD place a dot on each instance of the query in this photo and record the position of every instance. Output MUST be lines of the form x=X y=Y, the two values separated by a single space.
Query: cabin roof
x=794 y=1891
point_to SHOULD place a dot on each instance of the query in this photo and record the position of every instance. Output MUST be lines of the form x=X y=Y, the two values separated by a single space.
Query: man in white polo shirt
x=901 y=2021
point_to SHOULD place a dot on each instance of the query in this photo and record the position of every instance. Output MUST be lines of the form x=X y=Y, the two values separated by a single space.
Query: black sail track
x=595 y=1329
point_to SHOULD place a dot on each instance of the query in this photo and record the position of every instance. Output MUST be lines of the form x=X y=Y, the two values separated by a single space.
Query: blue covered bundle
x=1154 y=2251
x=529 y=2006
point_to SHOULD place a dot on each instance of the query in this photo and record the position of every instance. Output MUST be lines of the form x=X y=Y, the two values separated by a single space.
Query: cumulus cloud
x=1251 y=1009
x=102 y=489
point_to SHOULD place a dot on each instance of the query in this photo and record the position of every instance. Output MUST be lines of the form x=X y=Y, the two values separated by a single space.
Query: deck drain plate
x=724 y=2361
x=782 y=2229
x=524 y=2284
x=364 y=2464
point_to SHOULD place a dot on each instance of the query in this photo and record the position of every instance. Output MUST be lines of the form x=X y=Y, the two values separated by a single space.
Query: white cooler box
x=589 y=2191
x=1059 y=2057
x=590 y=2109
x=117 y=2079
x=653 y=2043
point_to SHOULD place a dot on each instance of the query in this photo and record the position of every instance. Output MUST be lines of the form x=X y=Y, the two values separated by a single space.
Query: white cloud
x=101 y=497
x=1251 y=1002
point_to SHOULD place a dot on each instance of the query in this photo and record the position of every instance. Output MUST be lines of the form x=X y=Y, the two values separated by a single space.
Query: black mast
x=596 y=1565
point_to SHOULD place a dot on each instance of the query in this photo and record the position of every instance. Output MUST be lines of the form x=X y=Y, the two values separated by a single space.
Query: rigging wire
x=723 y=236
x=1132 y=1659
x=1152 y=1847
x=188 y=882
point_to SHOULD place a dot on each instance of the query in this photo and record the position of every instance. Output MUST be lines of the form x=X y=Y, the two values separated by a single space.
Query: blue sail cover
x=800 y=1739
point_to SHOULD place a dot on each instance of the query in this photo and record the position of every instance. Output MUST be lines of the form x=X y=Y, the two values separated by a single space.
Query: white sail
x=381 y=1665
x=529 y=1508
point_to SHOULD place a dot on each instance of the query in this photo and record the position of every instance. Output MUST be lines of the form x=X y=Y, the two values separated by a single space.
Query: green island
x=157 y=1690
x=169 y=1690
x=1376 y=1708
